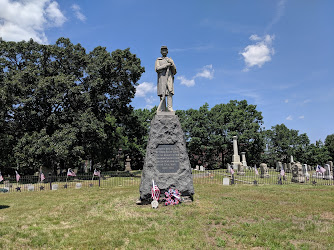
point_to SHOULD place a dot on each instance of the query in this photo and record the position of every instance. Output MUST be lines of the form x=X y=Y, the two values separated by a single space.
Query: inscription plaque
x=168 y=158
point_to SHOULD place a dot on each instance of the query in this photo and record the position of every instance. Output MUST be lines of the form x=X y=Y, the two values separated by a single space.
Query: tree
x=209 y=132
x=62 y=105
x=283 y=142
x=316 y=153
x=329 y=143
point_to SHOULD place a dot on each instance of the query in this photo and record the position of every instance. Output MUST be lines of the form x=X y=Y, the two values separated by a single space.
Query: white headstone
x=78 y=185
x=226 y=181
x=54 y=186
x=201 y=168
x=31 y=187
x=197 y=167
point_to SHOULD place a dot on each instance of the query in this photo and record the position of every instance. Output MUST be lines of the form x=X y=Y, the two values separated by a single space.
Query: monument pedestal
x=166 y=160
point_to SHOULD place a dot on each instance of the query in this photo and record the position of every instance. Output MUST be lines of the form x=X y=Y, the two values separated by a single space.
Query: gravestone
x=78 y=185
x=328 y=174
x=284 y=167
x=243 y=159
x=54 y=187
x=297 y=173
x=128 y=164
x=201 y=168
x=264 y=170
x=226 y=181
x=228 y=167
x=197 y=167
x=241 y=169
x=305 y=172
x=30 y=187
x=288 y=168
x=166 y=160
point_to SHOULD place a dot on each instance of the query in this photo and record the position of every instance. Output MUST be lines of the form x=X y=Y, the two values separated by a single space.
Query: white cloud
x=55 y=15
x=22 y=20
x=306 y=101
x=77 y=11
x=289 y=118
x=185 y=81
x=145 y=88
x=259 y=53
x=286 y=100
x=255 y=37
x=301 y=117
x=207 y=72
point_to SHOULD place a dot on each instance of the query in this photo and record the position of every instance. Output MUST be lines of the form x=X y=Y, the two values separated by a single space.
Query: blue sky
x=277 y=55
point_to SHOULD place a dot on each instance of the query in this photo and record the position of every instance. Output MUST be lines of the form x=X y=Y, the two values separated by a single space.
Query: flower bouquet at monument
x=172 y=197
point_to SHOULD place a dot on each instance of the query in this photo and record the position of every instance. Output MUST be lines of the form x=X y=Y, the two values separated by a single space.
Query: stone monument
x=291 y=159
x=279 y=166
x=235 y=157
x=243 y=159
x=288 y=168
x=328 y=174
x=241 y=169
x=166 y=161
x=264 y=170
x=128 y=164
x=305 y=172
x=297 y=173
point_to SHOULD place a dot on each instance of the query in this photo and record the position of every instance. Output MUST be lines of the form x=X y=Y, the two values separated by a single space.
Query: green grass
x=241 y=216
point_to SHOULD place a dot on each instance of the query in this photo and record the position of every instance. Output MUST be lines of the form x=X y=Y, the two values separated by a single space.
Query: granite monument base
x=166 y=160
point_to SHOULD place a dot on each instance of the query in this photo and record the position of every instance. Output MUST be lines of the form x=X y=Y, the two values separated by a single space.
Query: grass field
x=241 y=216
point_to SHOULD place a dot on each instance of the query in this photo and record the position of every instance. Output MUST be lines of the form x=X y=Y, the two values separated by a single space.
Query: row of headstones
x=299 y=171
x=302 y=170
x=200 y=168
x=239 y=168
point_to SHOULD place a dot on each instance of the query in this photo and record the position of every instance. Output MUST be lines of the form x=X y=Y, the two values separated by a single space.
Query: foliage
x=60 y=105
x=329 y=143
x=283 y=142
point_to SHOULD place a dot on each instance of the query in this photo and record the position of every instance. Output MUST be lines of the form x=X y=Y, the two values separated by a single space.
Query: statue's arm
x=173 y=67
x=159 y=67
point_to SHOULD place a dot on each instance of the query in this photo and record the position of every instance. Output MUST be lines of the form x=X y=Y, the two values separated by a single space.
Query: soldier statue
x=166 y=70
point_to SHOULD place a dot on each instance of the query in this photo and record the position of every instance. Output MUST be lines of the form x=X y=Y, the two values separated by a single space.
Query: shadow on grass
x=3 y=206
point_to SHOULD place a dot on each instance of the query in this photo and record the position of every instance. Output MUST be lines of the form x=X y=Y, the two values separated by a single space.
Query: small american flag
x=155 y=191
x=320 y=169
x=1 y=178
x=282 y=171
x=97 y=173
x=42 y=177
x=256 y=172
x=17 y=176
x=70 y=172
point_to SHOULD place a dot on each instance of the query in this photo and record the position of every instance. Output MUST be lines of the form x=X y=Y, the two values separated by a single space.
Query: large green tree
x=61 y=105
x=329 y=143
x=283 y=142
x=209 y=132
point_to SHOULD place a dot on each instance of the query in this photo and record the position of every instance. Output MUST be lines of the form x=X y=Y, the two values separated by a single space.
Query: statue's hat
x=163 y=47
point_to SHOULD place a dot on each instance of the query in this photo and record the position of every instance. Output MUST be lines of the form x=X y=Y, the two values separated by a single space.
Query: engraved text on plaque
x=167 y=157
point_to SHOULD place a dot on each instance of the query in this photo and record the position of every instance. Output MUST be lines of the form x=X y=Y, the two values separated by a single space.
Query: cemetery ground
x=240 y=216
